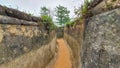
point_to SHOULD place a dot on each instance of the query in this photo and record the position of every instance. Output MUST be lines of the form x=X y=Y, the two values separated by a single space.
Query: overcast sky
x=33 y=6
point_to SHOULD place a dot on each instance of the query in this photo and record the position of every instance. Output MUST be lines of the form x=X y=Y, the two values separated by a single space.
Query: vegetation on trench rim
x=48 y=22
x=62 y=14
x=47 y=19
x=85 y=11
x=62 y=17
x=70 y=23
x=81 y=14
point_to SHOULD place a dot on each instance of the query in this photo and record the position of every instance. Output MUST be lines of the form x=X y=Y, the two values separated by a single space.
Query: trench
x=63 y=57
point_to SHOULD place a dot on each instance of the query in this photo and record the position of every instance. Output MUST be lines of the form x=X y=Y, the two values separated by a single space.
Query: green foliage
x=62 y=14
x=45 y=15
x=52 y=26
x=46 y=18
x=69 y=23
x=44 y=11
x=82 y=11
x=85 y=7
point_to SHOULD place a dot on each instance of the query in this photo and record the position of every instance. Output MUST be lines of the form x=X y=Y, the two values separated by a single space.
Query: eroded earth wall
x=43 y=57
x=25 y=39
x=74 y=37
x=97 y=43
x=101 y=48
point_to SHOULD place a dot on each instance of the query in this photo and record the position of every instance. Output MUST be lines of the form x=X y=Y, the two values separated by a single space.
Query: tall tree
x=44 y=11
x=62 y=14
x=45 y=15
x=46 y=19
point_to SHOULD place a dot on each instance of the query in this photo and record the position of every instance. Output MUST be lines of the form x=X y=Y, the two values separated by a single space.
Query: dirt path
x=63 y=58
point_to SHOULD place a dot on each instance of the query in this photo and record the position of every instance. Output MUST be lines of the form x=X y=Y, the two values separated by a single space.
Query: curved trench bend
x=63 y=58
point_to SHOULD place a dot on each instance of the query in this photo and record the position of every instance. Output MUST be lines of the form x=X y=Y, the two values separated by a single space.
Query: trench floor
x=63 y=57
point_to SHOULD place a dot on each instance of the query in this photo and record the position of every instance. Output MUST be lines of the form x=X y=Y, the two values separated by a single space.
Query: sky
x=33 y=6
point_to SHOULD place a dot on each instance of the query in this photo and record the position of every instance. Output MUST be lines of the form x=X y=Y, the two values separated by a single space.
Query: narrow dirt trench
x=36 y=58
x=63 y=57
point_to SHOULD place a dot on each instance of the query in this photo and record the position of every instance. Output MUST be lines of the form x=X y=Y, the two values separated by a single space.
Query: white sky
x=33 y=6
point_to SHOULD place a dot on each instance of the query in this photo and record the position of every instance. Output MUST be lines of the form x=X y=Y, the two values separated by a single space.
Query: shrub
x=68 y=24
x=48 y=22
x=46 y=18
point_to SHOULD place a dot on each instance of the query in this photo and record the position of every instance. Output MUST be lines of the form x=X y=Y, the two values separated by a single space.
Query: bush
x=68 y=24
x=48 y=22
x=46 y=18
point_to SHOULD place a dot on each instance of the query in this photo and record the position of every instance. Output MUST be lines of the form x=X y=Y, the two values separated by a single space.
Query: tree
x=62 y=14
x=44 y=11
x=47 y=19
x=45 y=15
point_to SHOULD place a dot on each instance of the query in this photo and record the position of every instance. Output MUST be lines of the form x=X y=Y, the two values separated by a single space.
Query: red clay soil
x=63 y=58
